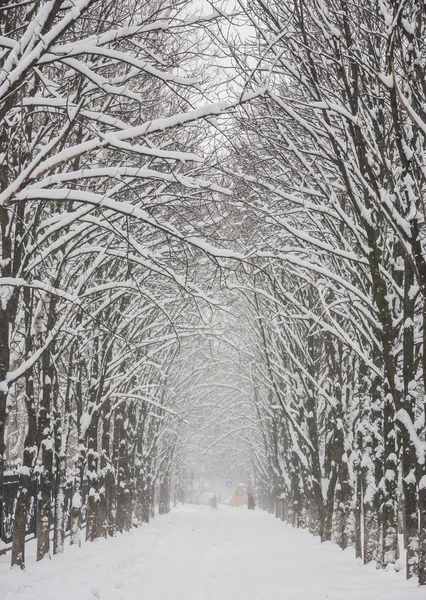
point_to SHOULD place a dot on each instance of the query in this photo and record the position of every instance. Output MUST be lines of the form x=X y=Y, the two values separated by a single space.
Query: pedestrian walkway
x=197 y=553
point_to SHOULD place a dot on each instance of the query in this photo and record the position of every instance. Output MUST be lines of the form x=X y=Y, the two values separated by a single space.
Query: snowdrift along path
x=196 y=553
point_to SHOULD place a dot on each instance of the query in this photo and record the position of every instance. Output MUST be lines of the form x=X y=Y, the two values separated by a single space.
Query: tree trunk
x=4 y=339
x=92 y=477
x=30 y=449
x=422 y=474
x=164 y=496
x=45 y=482
x=358 y=513
x=422 y=532
x=24 y=493
x=77 y=498
x=329 y=506
x=44 y=499
x=408 y=454
x=104 y=487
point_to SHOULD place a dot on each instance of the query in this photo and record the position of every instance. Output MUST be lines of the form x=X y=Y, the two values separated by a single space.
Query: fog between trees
x=226 y=285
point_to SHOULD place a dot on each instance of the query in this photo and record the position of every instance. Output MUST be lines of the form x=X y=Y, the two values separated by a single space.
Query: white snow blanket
x=197 y=553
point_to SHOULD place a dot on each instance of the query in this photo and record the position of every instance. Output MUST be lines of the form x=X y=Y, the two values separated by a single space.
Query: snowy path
x=199 y=554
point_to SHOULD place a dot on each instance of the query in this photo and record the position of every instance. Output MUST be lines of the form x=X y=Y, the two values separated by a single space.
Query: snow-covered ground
x=196 y=553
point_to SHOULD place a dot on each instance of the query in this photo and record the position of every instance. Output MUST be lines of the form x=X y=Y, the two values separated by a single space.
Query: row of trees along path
x=281 y=230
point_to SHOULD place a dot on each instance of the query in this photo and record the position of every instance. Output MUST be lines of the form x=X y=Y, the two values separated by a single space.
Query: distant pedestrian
x=250 y=502
x=213 y=502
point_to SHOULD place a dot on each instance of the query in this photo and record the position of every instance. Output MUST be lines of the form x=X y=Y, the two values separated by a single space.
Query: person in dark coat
x=250 y=502
x=213 y=502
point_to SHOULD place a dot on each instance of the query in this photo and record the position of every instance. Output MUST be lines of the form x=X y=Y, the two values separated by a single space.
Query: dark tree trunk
x=146 y=499
x=92 y=476
x=61 y=445
x=118 y=464
x=4 y=336
x=164 y=496
x=422 y=476
x=316 y=511
x=329 y=507
x=358 y=513
x=422 y=532
x=44 y=499
x=45 y=483
x=30 y=449
x=409 y=458
x=104 y=487
x=24 y=491
x=77 y=498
